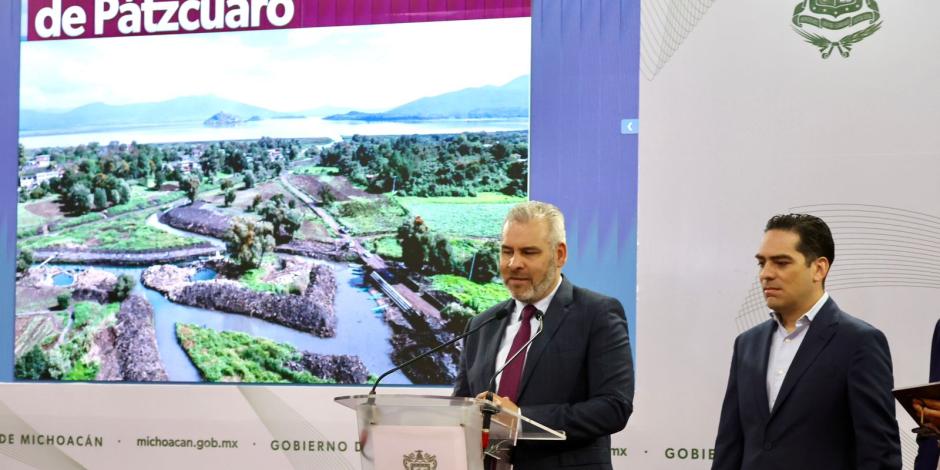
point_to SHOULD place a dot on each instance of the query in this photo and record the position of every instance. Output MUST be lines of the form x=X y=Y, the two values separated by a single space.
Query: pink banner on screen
x=77 y=19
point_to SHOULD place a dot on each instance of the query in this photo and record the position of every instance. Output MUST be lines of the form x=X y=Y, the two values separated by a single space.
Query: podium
x=413 y=432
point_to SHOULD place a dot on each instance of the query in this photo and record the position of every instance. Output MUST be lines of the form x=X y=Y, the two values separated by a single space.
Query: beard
x=538 y=290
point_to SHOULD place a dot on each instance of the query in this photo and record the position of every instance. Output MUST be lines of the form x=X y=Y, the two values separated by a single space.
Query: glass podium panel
x=395 y=428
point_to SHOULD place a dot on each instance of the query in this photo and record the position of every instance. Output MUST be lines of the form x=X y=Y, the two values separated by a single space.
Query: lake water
x=285 y=128
x=360 y=329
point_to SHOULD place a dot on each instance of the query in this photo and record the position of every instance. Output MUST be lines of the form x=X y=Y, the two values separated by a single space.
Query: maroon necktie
x=512 y=374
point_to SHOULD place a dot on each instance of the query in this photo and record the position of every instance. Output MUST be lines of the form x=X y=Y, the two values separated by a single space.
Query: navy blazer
x=834 y=411
x=927 y=451
x=578 y=377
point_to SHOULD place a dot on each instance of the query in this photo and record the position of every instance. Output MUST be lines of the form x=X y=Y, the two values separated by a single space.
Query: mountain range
x=509 y=100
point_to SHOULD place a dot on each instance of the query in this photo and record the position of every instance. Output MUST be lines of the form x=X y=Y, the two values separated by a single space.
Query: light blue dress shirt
x=783 y=348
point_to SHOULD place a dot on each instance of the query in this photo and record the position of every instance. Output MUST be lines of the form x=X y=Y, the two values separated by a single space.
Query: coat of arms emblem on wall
x=836 y=24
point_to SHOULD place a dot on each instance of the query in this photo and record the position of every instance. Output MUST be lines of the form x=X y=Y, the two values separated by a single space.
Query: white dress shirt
x=783 y=348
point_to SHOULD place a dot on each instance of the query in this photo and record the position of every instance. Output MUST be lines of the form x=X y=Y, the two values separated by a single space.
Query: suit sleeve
x=870 y=380
x=462 y=384
x=610 y=383
x=729 y=444
x=927 y=451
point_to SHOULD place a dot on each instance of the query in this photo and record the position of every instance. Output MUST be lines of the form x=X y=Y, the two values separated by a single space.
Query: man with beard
x=577 y=375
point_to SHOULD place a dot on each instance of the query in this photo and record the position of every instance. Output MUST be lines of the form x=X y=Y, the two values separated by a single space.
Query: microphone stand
x=498 y=316
x=489 y=410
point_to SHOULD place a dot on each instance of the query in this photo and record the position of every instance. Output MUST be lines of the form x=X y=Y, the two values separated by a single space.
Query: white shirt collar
x=810 y=315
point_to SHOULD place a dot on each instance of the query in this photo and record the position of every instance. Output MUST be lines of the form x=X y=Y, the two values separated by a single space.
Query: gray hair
x=536 y=210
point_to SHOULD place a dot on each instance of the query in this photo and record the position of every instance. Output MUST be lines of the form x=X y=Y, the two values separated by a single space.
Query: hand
x=929 y=410
x=507 y=404
x=508 y=420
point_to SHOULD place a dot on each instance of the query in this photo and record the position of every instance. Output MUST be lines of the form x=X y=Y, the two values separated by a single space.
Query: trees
x=101 y=199
x=79 y=199
x=229 y=196
x=326 y=195
x=413 y=238
x=159 y=177
x=37 y=193
x=284 y=221
x=191 y=187
x=32 y=366
x=433 y=165
x=420 y=248
x=248 y=241
x=227 y=184
x=124 y=192
x=440 y=255
x=125 y=284
x=235 y=161
x=255 y=202
x=249 y=180
x=24 y=259
x=62 y=300
x=483 y=266
x=518 y=173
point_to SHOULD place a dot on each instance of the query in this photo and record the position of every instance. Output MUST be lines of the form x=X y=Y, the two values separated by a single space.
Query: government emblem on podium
x=836 y=24
x=419 y=460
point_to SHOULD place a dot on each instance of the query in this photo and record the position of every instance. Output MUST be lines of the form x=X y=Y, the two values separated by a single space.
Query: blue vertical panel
x=9 y=130
x=585 y=81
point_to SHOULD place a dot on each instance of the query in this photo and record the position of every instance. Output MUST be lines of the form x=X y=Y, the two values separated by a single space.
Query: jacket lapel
x=758 y=380
x=817 y=337
x=551 y=321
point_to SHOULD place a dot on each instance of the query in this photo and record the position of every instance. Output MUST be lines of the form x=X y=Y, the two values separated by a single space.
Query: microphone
x=489 y=411
x=501 y=314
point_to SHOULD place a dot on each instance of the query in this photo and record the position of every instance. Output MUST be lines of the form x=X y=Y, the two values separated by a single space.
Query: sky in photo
x=370 y=68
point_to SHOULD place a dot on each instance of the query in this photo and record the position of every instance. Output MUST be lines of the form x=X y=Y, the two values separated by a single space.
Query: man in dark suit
x=811 y=387
x=577 y=375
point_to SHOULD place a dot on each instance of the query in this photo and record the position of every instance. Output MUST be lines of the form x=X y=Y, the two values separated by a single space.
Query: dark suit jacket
x=578 y=377
x=927 y=452
x=834 y=410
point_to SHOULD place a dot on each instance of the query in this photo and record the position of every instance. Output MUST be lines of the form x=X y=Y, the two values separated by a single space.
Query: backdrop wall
x=742 y=118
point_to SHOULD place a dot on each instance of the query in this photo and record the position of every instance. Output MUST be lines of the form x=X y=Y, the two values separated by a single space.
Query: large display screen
x=307 y=205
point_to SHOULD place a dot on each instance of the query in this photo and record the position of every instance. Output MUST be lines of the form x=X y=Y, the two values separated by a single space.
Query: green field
x=369 y=216
x=26 y=222
x=142 y=198
x=464 y=248
x=252 y=280
x=91 y=314
x=476 y=296
x=316 y=171
x=313 y=227
x=479 y=216
x=39 y=331
x=129 y=233
x=231 y=356
x=386 y=247
x=69 y=360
